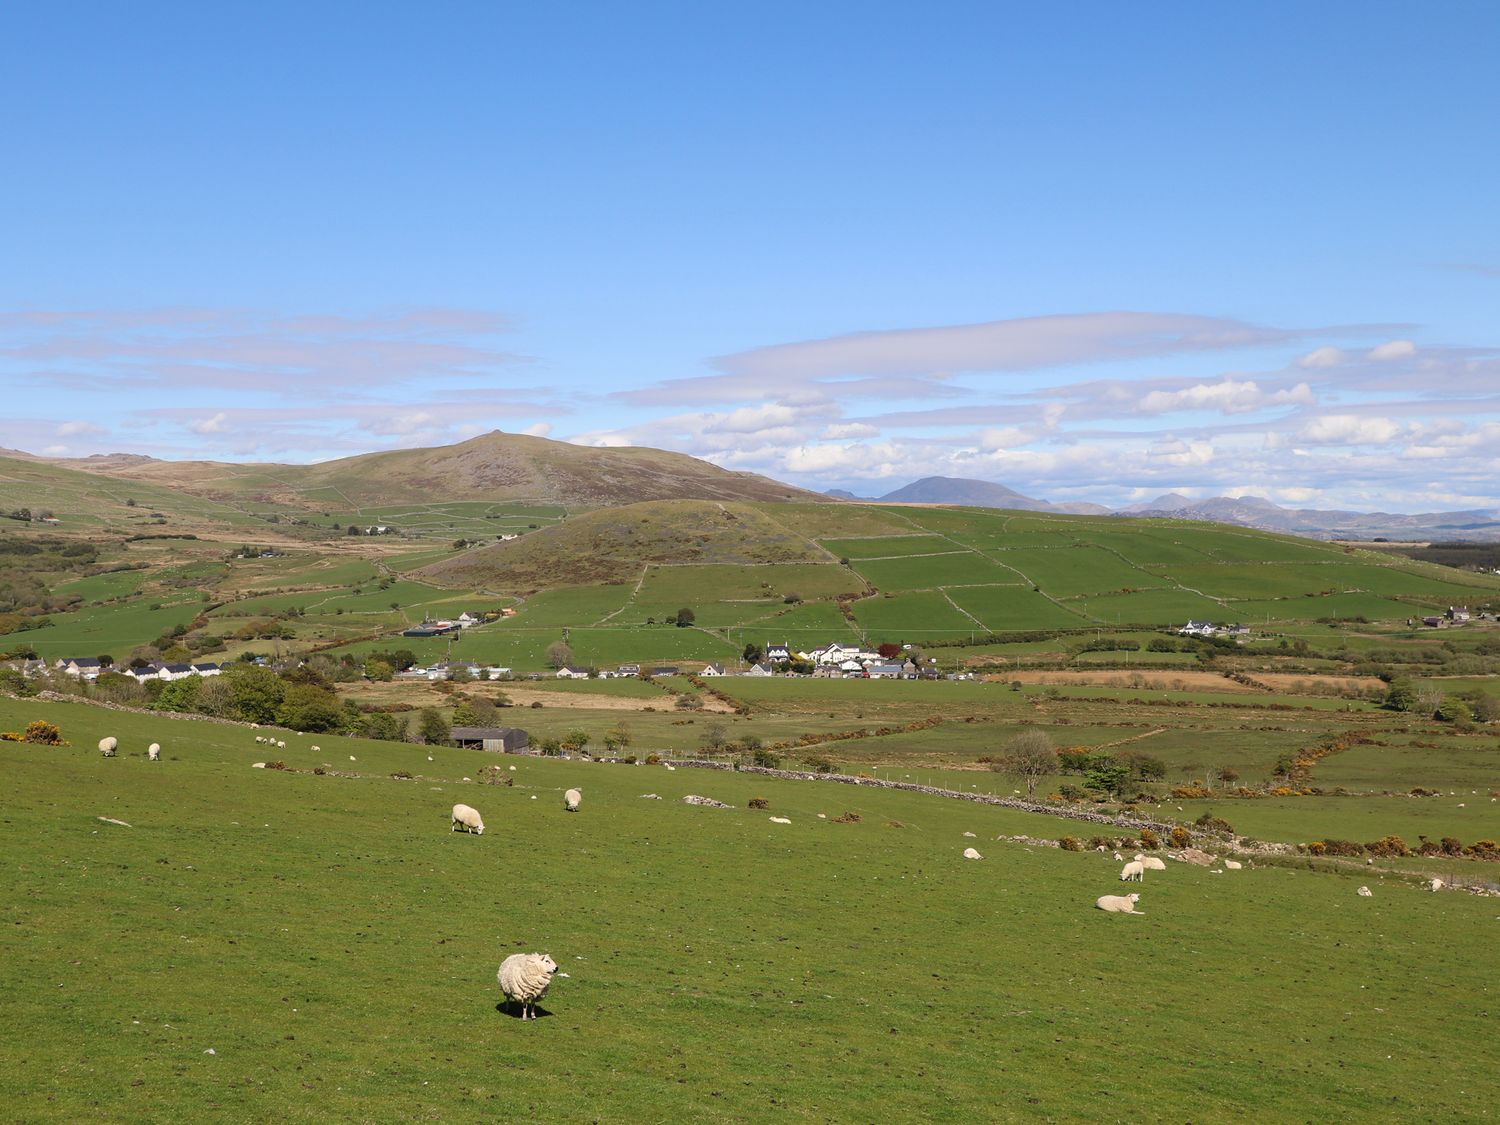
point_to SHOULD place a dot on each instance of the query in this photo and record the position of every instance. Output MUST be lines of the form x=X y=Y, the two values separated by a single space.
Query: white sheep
x=257 y=765
x=316 y=748
x=972 y=853
x=107 y=746
x=1364 y=892
x=970 y=835
x=1150 y=863
x=467 y=819
x=153 y=752
x=1435 y=884
x=259 y=738
x=776 y=819
x=1233 y=864
x=1118 y=904
x=1133 y=870
x=1118 y=857
x=524 y=978
x=280 y=745
x=572 y=799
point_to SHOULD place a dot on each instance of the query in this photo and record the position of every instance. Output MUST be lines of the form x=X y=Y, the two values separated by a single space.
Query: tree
x=618 y=737
x=378 y=670
x=1106 y=775
x=685 y=617
x=308 y=707
x=255 y=691
x=1029 y=755
x=352 y=530
x=575 y=739
x=432 y=726
x=1228 y=776
x=714 y=736
x=889 y=650
x=753 y=653
x=1401 y=696
x=559 y=655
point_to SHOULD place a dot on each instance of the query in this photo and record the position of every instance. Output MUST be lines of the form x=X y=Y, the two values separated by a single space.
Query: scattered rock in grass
x=112 y=820
x=704 y=802
x=650 y=797
x=971 y=853
x=780 y=820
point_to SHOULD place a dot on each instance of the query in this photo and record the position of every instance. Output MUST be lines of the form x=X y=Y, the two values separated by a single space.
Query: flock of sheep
x=108 y=746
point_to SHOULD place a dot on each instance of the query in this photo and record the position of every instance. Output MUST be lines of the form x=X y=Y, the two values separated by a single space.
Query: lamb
x=1233 y=864
x=1150 y=863
x=107 y=746
x=280 y=745
x=524 y=978
x=572 y=799
x=467 y=819
x=1118 y=904
x=1118 y=857
x=972 y=853
x=1133 y=870
x=153 y=752
x=1364 y=892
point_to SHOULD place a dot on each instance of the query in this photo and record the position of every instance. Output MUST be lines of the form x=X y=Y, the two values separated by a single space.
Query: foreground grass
x=335 y=947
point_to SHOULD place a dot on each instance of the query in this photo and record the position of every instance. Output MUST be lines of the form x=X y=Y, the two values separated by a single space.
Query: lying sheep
x=467 y=819
x=971 y=853
x=1133 y=870
x=781 y=820
x=1364 y=892
x=1233 y=864
x=1151 y=862
x=572 y=799
x=1118 y=904
x=107 y=746
x=1435 y=884
x=524 y=978
x=153 y=752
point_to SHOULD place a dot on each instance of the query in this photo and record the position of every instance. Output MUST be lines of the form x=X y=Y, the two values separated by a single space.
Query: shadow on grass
x=513 y=1010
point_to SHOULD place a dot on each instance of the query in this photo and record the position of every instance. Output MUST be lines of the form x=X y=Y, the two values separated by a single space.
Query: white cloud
x=1349 y=429
x=1395 y=349
x=54 y=450
x=218 y=424
x=1320 y=358
x=1181 y=454
x=74 y=428
x=842 y=430
x=539 y=429
x=1229 y=396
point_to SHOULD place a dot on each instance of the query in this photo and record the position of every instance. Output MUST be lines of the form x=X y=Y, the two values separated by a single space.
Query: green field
x=264 y=945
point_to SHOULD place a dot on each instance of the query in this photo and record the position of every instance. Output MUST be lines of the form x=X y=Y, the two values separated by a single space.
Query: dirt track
x=429 y=694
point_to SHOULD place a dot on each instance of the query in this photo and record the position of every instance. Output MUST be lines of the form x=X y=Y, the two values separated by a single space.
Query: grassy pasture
x=890 y=546
x=918 y=616
x=1000 y=608
x=1154 y=607
x=335 y=946
x=104 y=587
x=115 y=628
x=928 y=572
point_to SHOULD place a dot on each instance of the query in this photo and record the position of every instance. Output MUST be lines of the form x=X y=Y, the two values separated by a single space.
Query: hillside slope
x=493 y=466
x=613 y=544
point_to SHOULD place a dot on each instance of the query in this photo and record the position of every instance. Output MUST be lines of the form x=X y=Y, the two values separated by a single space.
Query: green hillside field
x=261 y=944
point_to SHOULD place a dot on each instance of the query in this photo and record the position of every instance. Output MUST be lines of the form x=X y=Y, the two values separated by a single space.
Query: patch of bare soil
x=1147 y=681
x=426 y=694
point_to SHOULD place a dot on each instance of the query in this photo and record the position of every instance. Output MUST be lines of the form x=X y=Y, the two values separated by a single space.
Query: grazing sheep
x=107 y=746
x=259 y=739
x=1435 y=884
x=467 y=819
x=1233 y=864
x=524 y=978
x=316 y=748
x=572 y=799
x=153 y=752
x=971 y=853
x=1364 y=892
x=1118 y=904
x=1133 y=870
x=280 y=745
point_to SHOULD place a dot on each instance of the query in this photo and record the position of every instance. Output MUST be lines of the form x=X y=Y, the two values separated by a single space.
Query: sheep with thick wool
x=1150 y=862
x=1118 y=904
x=524 y=978
x=107 y=746
x=467 y=819
x=572 y=799
x=1133 y=870
x=153 y=752
x=1233 y=864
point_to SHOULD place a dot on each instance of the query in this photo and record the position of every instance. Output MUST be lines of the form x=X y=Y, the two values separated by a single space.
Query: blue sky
x=1091 y=251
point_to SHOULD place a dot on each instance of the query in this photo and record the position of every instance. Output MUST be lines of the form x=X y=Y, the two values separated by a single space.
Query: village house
x=81 y=667
x=759 y=670
x=1197 y=629
x=713 y=670
x=568 y=672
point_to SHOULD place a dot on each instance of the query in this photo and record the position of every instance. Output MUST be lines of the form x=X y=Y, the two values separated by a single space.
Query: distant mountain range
x=1247 y=511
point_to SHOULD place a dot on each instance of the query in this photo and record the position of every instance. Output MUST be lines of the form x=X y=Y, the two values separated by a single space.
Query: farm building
x=499 y=740
x=430 y=629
